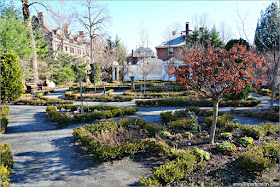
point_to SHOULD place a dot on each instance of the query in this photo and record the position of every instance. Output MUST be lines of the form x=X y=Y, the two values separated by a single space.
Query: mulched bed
x=220 y=170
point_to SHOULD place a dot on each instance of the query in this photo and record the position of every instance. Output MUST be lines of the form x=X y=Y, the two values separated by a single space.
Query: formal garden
x=194 y=134
x=179 y=143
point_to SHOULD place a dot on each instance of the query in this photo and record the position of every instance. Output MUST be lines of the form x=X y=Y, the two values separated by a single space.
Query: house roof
x=51 y=27
x=177 y=40
x=141 y=52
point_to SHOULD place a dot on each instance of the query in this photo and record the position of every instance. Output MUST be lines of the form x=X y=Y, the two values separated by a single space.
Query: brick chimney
x=82 y=33
x=66 y=27
x=173 y=33
x=42 y=18
x=187 y=28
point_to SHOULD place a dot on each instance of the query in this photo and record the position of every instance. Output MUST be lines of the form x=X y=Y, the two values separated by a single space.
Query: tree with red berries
x=218 y=72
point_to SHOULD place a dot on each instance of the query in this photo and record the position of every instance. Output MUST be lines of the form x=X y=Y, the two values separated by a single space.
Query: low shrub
x=188 y=135
x=166 y=134
x=6 y=163
x=44 y=102
x=254 y=160
x=111 y=140
x=221 y=120
x=201 y=155
x=230 y=126
x=271 y=150
x=64 y=119
x=109 y=98
x=253 y=131
x=226 y=135
x=4 y=118
x=226 y=147
x=149 y=94
x=169 y=116
x=259 y=131
x=247 y=141
x=203 y=134
x=203 y=102
x=5 y=172
x=172 y=171
x=272 y=116
x=143 y=124
x=6 y=155
x=184 y=124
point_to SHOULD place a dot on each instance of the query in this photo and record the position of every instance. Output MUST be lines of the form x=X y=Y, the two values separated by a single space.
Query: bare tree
x=241 y=25
x=93 y=19
x=143 y=53
x=200 y=20
x=170 y=29
x=225 y=32
x=63 y=17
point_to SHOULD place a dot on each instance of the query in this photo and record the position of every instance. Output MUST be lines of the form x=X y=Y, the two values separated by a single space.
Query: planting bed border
x=98 y=112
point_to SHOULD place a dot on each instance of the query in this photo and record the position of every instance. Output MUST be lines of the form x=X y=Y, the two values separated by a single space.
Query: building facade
x=173 y=47
x=61 y=39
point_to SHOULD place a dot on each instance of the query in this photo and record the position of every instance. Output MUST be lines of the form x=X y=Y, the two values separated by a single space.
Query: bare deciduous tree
x=200 y=20
x=174 y=27
x=225 y=32
x=93 y=19
x=63 y=17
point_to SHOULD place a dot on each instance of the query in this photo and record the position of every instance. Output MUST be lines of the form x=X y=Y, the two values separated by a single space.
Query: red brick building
x=173 y=46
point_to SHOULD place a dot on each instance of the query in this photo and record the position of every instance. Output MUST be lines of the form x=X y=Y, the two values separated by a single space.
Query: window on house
x=71 y=40
x=66 y=48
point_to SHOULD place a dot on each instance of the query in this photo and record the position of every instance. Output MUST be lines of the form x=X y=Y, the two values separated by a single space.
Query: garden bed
x=39 y=99
x=187 y=158
x=250 y=102
x=92 y=96
x=71 y=114
x=263 y=114
x=151 y=94
x=266 y=92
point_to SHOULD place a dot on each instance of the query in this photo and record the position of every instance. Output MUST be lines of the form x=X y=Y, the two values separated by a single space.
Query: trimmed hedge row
x=98 y=139
x=272 y=116
x=91 y=136
x=4 y=118
x=42 y=102
x=206 y=103
x=160 y=95
x=110 y=98
x=91 y=88
x=6 y=163
x=254 y=131
x=265 y=92
x=65 y=119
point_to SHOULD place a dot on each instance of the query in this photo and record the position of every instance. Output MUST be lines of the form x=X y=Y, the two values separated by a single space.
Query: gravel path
x=45 y=155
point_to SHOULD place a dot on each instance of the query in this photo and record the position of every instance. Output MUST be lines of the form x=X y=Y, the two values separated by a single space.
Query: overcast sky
x=155 y=16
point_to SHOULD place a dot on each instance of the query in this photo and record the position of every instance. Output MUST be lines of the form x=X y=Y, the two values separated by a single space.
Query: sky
x=127 y=17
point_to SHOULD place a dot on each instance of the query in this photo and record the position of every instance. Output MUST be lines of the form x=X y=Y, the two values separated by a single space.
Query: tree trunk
x=214 y=121
x=272 y=95
x=27 y=19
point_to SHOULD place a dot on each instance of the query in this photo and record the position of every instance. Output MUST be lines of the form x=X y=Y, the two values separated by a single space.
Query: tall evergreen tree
x=11 y=77
x=203 y=36
x=267 y=38
x=267 y=31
